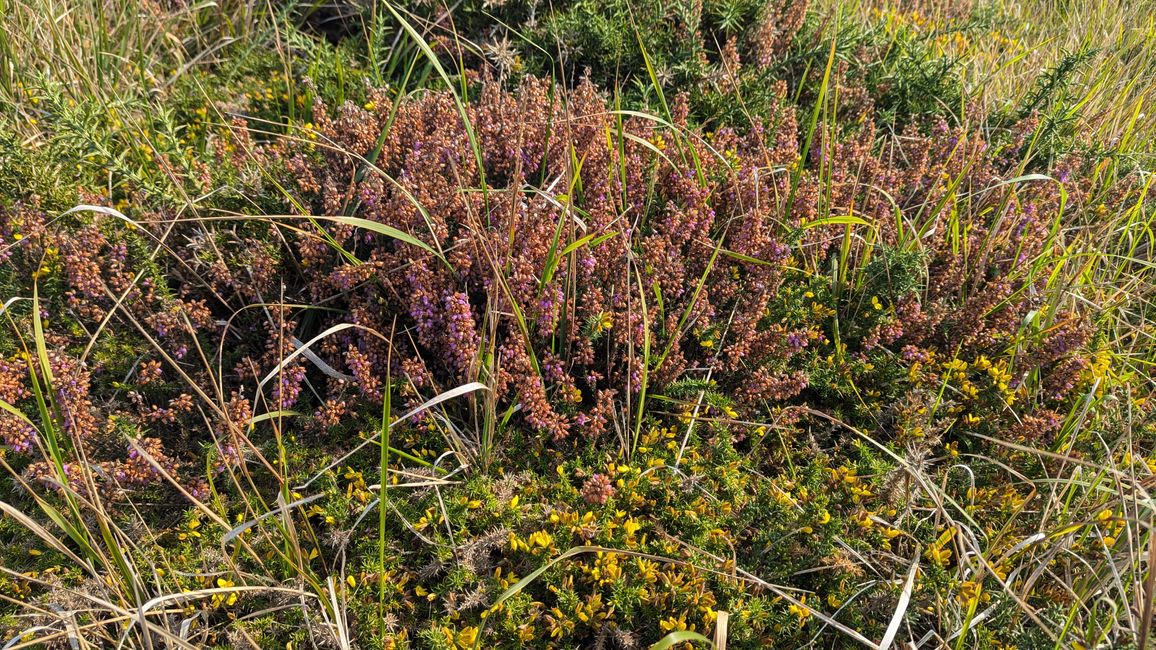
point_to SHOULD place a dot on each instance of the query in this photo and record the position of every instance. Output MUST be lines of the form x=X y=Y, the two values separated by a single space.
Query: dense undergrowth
x=594 y=324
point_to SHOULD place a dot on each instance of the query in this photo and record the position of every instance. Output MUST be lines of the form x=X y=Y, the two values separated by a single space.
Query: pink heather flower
x=597 y=490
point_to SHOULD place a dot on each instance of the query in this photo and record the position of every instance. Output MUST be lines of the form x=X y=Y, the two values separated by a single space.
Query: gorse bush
x=719 y=53
x=726 y=56
x=342 y=344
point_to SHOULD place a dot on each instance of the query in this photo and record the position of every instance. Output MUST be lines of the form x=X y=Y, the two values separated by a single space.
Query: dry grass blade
x=35 y=528
x=1149 y=593
x=901 y=606
x=425 y=406
x=722 y=625
x=279 y=511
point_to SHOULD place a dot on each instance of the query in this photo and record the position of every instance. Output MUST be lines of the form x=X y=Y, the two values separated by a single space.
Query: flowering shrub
x=750 y=366
x=656 y=257
x=573 y=297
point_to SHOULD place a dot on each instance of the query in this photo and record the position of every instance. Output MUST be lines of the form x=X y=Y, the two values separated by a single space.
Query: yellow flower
x=858 y=492
x=955 y=364
x=467 y=637
x=540 y=538
x=800 y=611
x=938 y=552
x=517 y=543
x=227 y=599
x=631 y=527
x=939 y=555
x=192 y=531
x=969 y=591
x=672 y=624
x=647 y=570
x=969 y=390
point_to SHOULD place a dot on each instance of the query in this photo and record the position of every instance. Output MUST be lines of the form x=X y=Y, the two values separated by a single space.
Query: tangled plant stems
x=859 y=373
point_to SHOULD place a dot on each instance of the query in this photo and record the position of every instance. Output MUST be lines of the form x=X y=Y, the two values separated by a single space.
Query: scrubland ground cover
x=734 y=323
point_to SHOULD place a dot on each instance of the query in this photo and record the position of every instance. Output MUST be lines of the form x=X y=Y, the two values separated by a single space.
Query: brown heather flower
x=597 y=490
x=16 y=434
x=330 y=414
x=517 y=370
x=1036 y=428
x=148 y=372
x=499 y=245
x=781 y=21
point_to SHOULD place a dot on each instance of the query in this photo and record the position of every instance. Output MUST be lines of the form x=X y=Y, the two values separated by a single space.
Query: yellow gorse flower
x=800 y=611
x=227 y=599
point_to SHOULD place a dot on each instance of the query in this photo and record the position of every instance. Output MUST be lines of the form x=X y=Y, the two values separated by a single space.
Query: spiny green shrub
x=725 y=55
